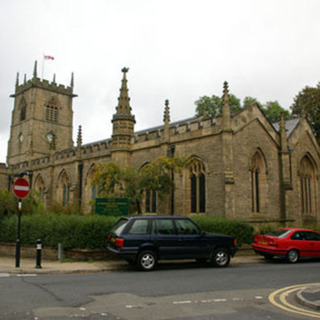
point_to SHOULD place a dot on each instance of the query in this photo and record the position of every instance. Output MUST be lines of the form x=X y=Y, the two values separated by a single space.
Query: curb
x=300 y=297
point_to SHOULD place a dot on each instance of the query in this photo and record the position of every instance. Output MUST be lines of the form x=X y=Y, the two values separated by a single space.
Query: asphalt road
x=183 y=292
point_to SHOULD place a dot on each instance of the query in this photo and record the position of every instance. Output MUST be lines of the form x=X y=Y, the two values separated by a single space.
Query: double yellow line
x=281 y=296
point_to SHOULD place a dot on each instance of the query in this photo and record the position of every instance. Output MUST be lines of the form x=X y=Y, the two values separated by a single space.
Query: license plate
x=263 y=243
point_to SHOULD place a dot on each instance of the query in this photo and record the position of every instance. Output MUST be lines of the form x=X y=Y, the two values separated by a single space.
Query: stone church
x=240 y=165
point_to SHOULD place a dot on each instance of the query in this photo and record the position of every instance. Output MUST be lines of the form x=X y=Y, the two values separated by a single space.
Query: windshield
x=119 y=226
x=279 y=233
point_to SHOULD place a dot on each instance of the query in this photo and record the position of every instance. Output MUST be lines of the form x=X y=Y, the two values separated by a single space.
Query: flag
x=48 y=57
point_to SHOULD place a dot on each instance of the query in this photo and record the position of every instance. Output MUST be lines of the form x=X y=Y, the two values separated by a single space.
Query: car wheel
x=220 y=258
x=293 y=256
x=146 y=260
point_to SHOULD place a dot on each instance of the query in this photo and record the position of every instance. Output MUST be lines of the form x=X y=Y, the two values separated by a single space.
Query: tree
x=113 y=181
x=212 y=106
x=248 y=101
x=308 y=102
x=273 y=110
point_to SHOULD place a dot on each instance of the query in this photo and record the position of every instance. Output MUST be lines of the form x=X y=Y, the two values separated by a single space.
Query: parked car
x=144 y=240
x=289 y=243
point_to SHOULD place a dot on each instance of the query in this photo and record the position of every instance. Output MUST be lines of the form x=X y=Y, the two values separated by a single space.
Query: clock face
x=50 y=137
x=20 y=137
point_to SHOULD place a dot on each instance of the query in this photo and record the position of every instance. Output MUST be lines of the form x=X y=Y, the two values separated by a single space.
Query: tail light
x=119 y=242
x=235 y=242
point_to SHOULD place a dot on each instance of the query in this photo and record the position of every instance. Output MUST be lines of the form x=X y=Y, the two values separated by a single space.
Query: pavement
x=308 y=296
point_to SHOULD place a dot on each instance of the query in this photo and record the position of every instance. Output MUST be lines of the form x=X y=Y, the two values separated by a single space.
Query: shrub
x=73 y=231
x=239 y=229
x=90 y=232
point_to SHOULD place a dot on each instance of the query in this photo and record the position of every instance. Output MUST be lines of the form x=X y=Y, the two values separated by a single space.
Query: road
x=173 y=292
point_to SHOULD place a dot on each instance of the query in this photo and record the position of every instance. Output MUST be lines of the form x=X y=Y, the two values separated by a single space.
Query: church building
x=239 y=165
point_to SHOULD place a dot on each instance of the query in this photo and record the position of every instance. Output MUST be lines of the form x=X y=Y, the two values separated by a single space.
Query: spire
x=166 y=118
x=79 y=138
x=283 y=134
x=54 y=78
x=35 y=70
x=124 y=100
x=25 y=78
x=17 y=80
x=226 y=113
x=72 y=80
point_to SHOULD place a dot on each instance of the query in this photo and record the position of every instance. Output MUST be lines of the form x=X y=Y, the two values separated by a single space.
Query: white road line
x=182 y=302
x=27 y=275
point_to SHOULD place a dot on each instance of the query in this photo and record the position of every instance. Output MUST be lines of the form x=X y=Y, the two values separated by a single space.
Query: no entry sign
x=21 y=188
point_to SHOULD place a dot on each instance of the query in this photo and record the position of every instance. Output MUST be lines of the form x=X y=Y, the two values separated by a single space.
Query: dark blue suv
x=144 y=240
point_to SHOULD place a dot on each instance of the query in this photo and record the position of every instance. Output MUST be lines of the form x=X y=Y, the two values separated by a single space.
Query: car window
x=119 y=226
x=298 y=236
x=279 y=233
x=139 y=227
x=312 y=236
x=164 y=226
x=186 y=227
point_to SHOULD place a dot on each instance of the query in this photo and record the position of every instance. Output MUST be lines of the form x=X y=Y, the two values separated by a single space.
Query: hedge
x=239 y=229
x=90 y=232
x=73 y=231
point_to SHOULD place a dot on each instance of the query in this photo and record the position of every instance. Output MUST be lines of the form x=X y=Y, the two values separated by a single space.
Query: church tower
x=123 y=126
x=42 y=119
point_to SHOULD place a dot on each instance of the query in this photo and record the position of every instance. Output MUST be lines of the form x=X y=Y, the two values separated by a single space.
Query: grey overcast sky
x=175 y=49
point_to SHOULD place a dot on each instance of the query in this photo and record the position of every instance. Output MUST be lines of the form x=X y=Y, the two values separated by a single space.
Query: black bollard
x=38 y=258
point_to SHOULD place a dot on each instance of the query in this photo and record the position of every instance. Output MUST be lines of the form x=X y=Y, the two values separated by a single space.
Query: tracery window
x=52 y=111
x=258 y=181
x=151 y=201
x=198 y=186
x=64 y=188
x=40 y=188
x=307 y=186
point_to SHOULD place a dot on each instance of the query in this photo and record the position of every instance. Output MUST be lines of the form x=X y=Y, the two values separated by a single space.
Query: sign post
x=21 y=189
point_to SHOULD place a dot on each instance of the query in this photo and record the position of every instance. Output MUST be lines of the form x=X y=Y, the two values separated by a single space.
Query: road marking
x=282 y=295
x=182 y=302
x=27 y=275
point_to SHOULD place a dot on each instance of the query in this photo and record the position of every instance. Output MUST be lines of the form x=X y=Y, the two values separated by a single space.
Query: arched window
x=52 y=110
x=64 y=188
x=23 y=109
x=198 y=186
x=40 y=187
x=258 y=181
x=307 y=186
x=151 y=201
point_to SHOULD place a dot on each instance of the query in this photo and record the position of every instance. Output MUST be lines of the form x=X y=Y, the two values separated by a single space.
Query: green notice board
x=112 y=206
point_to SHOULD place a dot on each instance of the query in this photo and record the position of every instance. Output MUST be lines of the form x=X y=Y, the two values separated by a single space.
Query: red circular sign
x=21 y=188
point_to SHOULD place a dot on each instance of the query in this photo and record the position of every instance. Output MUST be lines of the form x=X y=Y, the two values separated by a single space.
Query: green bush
x=90 y=232
x=239 y=229
x=73 y=231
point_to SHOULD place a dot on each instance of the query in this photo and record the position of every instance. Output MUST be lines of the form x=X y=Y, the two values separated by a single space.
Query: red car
x=289 y=243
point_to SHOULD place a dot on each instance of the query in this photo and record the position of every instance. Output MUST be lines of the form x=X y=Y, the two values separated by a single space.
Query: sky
x=175 y=49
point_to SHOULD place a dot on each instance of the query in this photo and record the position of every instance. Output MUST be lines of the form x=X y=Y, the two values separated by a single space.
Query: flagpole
x=42 y=66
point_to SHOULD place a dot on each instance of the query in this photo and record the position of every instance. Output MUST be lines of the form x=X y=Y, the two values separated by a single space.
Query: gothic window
x=258 y=181
x=23 y=109
x=52 y=111
x=40 y=187
x=198 y=186
x=64 y=189
x=307 y=186
x=151 y=201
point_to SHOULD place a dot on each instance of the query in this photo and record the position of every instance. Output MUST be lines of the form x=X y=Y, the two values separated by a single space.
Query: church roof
x=291 y=124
